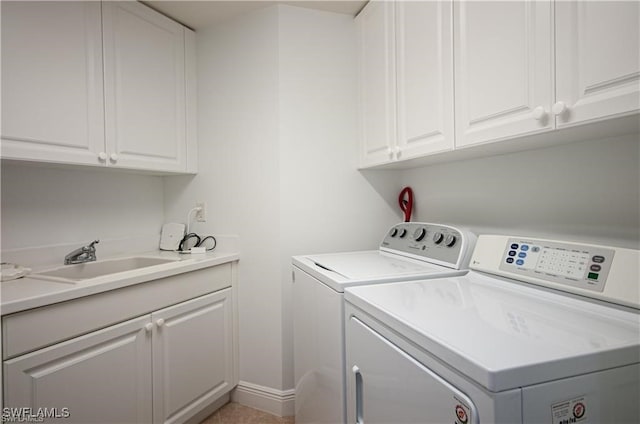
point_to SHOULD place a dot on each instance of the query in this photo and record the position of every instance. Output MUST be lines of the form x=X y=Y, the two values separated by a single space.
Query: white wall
x=238 y=175
x=326 y=204
x=48 y=206
x=589 y=190
x=277 y=164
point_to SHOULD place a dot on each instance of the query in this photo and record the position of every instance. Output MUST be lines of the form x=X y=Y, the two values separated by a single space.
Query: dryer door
x=386 y=385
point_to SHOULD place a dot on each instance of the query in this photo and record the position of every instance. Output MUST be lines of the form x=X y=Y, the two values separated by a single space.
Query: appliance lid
x=371 y=265
x=504 y=335
x=341 y=270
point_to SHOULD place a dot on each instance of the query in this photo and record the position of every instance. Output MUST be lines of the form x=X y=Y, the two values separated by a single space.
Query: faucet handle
x=90 y=248
x=82 y=254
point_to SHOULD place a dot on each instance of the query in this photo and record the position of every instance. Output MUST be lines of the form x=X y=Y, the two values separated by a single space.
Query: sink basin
x=89 y=270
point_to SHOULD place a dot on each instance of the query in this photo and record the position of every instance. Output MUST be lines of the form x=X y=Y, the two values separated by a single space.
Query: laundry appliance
x=539 y=331
x=409 y=251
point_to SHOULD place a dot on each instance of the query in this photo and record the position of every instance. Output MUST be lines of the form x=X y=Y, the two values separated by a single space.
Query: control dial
x=419 y=234
x=394 y=232
x=437 y=238
x=450 y=240
x=403 y=232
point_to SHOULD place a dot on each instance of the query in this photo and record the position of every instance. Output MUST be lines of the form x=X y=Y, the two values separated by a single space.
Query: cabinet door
x=101 y=377
x=192 y=356
x=52 y=96
x=503 y=69
x=144 y=88
x=376 y=71
x=597 y=60
x=424 y=46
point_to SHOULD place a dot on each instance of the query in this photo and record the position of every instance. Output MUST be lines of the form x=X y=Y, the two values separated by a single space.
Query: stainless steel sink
x=80 y=272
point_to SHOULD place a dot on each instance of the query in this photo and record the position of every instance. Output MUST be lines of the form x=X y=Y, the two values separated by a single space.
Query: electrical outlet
x=201 y=215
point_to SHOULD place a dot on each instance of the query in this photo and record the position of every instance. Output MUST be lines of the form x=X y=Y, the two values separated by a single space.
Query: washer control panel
x=432 y=242
x=585 y=267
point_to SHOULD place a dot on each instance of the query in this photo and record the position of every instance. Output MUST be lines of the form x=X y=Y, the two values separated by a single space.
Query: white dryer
x=539 y=331
x=409 y=251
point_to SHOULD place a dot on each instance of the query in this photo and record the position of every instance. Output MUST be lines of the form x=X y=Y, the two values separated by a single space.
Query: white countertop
x=27 y=293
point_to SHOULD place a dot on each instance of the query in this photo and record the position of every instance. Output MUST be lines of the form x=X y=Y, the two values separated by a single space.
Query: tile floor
x=234 y=413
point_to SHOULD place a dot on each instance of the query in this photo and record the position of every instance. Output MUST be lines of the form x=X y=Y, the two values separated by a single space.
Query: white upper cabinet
x=526 y=67
x=424 y=70
x=597 y=60
x=519 y=68
x=92 y=83
x=52 y=95
x=144 y=59
x=376 y=68
x=406 y=80
x=503 y=71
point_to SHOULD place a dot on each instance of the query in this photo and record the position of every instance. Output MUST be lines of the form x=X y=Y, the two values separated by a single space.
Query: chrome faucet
x=82 y=254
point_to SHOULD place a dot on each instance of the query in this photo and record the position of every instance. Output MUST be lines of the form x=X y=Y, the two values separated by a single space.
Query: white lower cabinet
x=102 y=377
x=162 y=367
x=192 y=356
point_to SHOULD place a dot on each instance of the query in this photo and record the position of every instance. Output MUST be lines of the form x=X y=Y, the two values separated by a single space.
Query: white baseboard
x=200 y=416
x=273 y=401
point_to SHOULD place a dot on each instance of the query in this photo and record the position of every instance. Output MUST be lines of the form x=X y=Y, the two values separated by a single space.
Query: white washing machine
x=409 y=251
x=538 y=331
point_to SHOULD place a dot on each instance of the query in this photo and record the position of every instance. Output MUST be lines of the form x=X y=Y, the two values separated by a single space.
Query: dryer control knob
x=403 y=233
x=450 y=240
x=419 y=234
x=394 y=232
x=437 y=238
